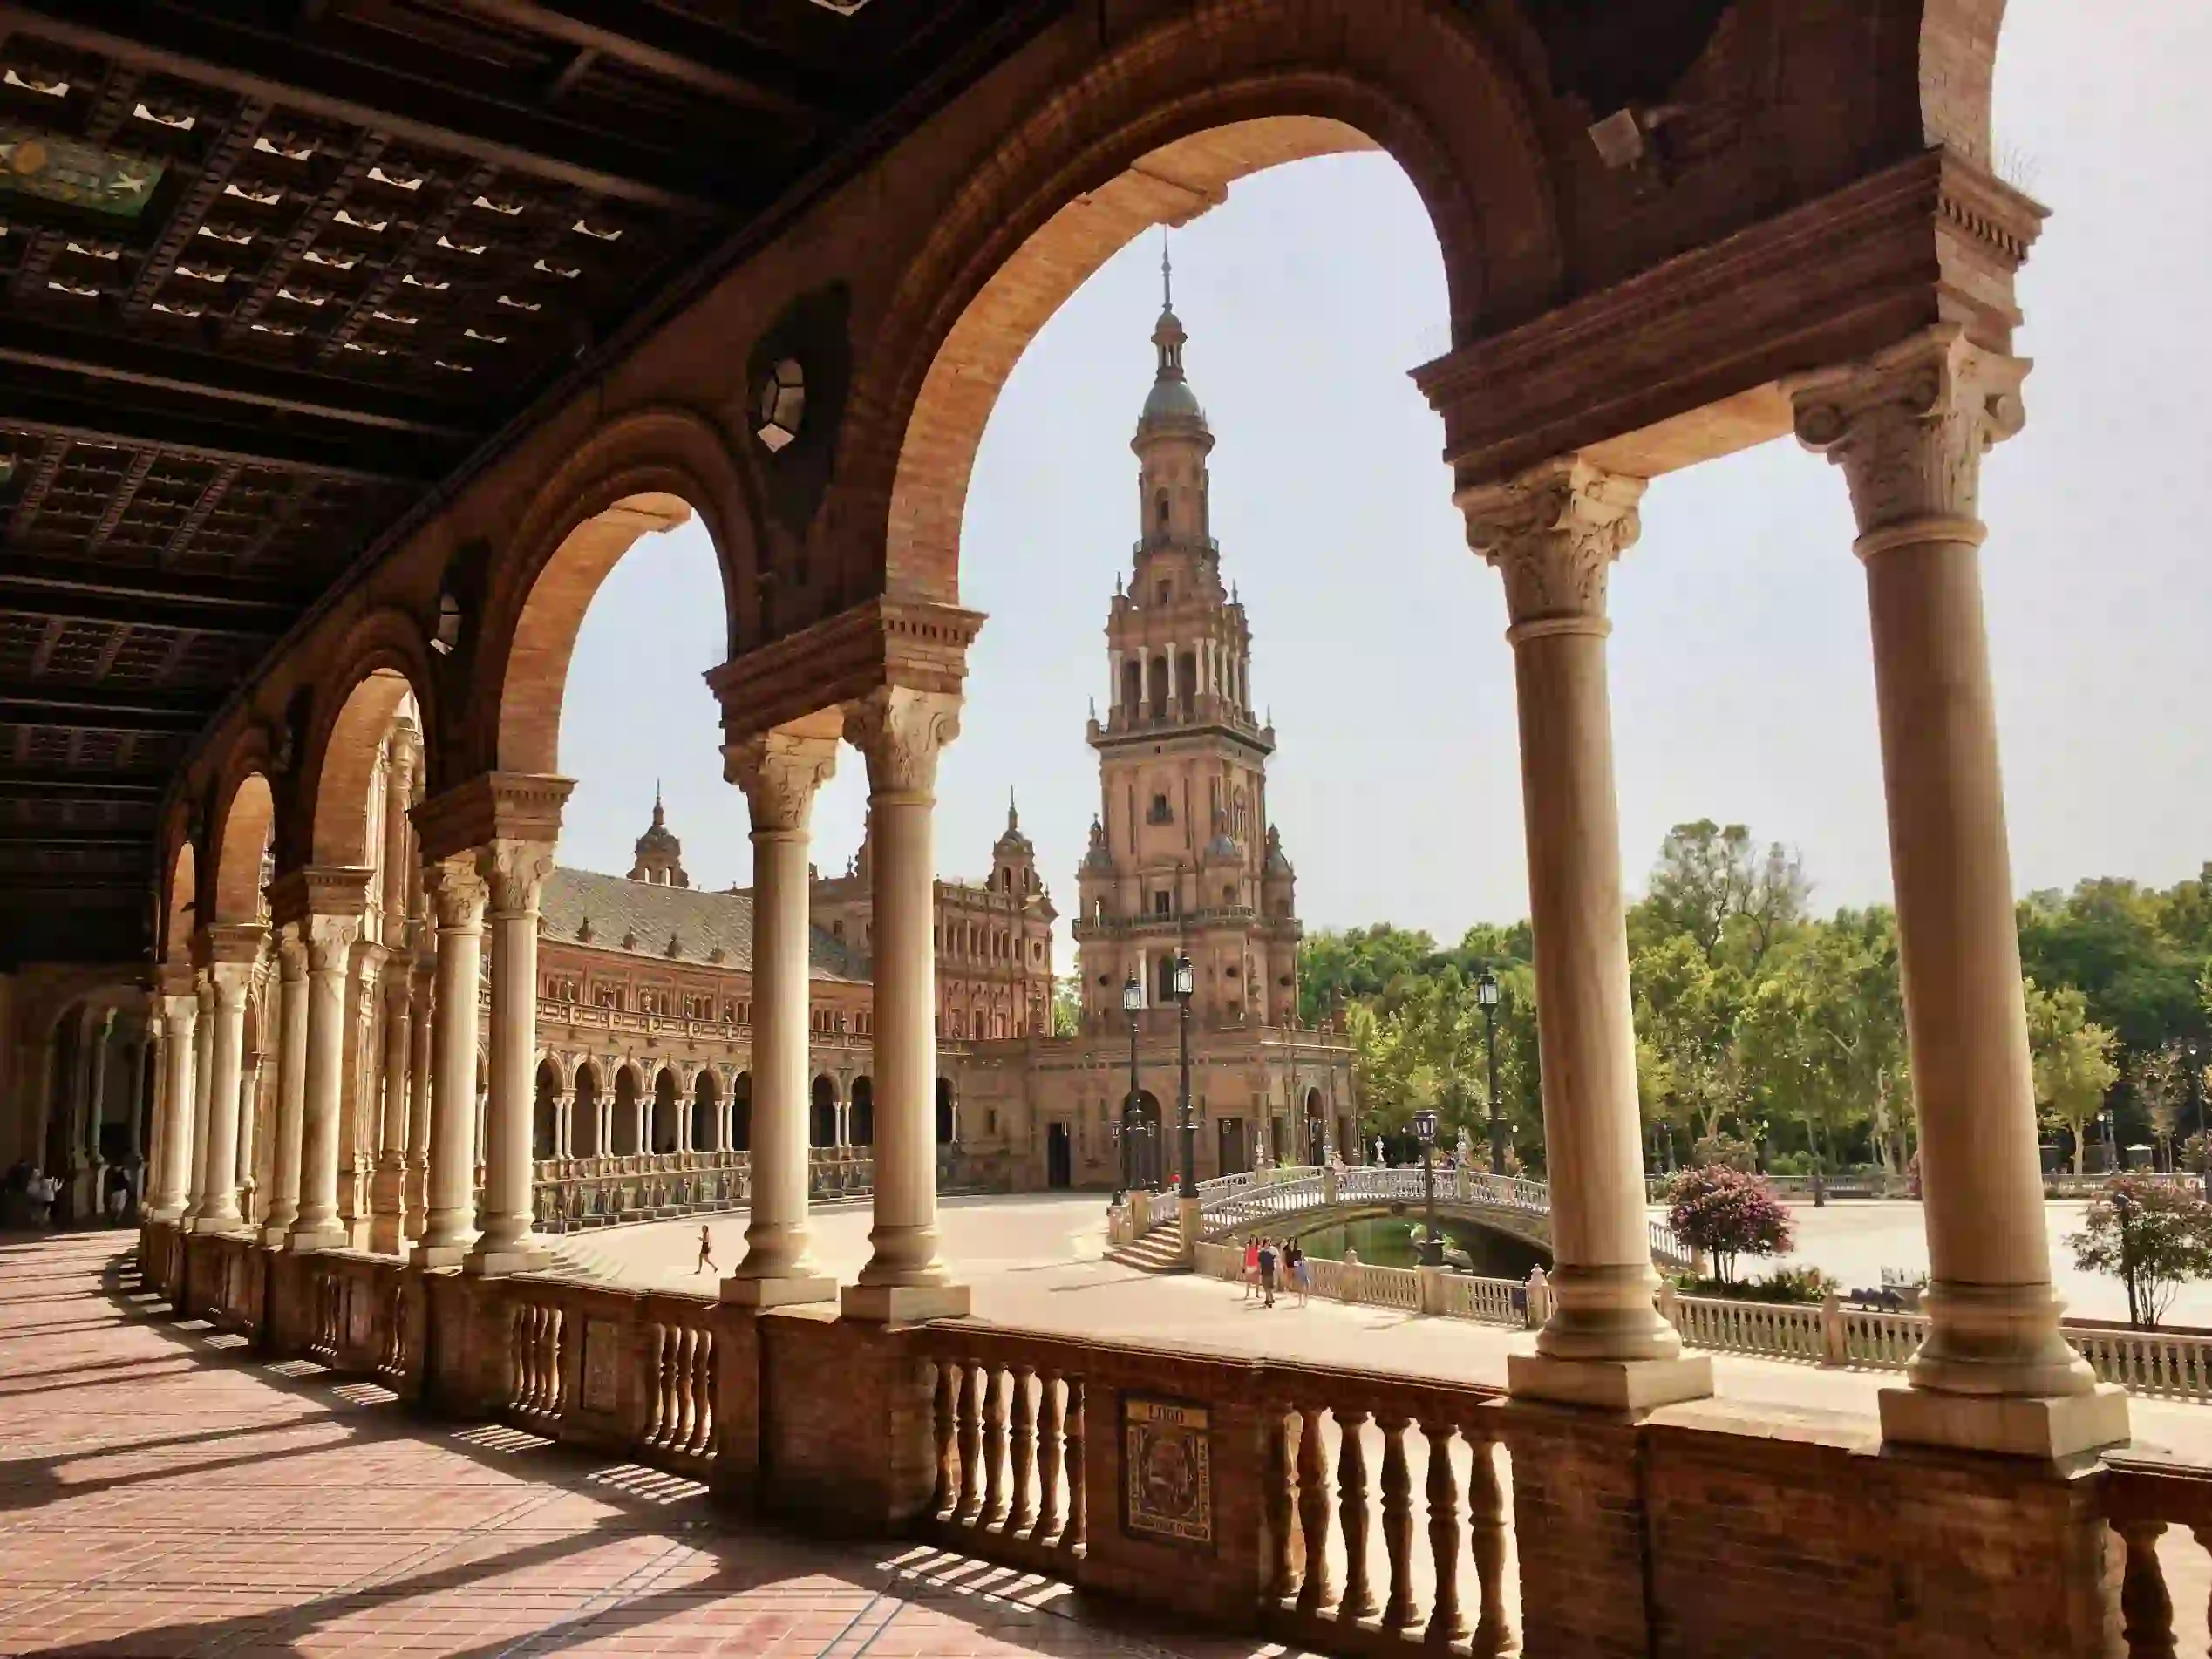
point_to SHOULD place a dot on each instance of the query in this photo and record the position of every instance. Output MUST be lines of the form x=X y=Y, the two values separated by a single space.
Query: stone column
x=204 y=1037
x=249 y=1083
x=780 y=774
x=330 y=940
x=422 y=1003
x=100 y=1032
x=139 y=1148
x=292 y=1085
x=359 y=1093
x=515 y=872
x=457 y=899
x=387 y=1201
x=1910 y=429
x=902 y=731
x=1553 y=533
x=180 y=1048
x=230 y=976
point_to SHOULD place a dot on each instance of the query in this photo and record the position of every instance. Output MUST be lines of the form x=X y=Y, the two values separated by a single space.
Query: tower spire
x=1166 y=276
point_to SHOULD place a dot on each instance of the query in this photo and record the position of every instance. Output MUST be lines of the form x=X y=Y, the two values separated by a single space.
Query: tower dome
x=659 y=854
x=1171 y=403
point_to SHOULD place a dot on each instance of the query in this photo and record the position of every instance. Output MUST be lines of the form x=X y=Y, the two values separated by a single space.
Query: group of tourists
x=1270 y=1261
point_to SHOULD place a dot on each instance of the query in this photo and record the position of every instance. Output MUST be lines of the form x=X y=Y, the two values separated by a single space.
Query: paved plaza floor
x=164 y=1492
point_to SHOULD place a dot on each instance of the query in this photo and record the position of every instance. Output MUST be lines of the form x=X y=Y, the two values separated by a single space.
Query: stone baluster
x=1910 y=429
x=1486 y=1521
x=945 y=1495
x=2145 y=1607
x=976 y=1377
x=1358 y=1599
x=1317 y=1589
x=1553 y=533
x=515 y=871
x=1074 y=1535
x=995 y=1446
x=901 y=732
x=1446 y=1624
x=1278 y=1500
x=457 y=897
x=779 y=773
x=1021 y=1447
x=1398 y=1613
x=1052 y=1448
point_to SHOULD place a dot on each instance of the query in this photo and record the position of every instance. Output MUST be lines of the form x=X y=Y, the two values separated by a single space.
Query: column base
x=384 y=1237
x=902 y=1304
x=308 y=1240
x=2047 y=1427
x=439 y=1256
x=738 y=1292
x=1630 y=1386
x=524 y=1255
x=222 y=1226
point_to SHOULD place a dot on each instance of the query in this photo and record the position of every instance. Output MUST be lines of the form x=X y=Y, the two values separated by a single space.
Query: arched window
x=1159 y=509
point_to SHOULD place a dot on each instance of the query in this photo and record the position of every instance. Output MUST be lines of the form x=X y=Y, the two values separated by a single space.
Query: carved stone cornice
x=491 y=806
x=902 y=731
x=1553 y=533
x=456 y=891
x=1908 y=427
x=841 y=660
x=1683 y=362
x=319 y=890
x=780 y=771
x=229 y=944
x=514 y=874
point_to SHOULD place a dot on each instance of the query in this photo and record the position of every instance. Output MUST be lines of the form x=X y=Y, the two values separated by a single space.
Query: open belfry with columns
x=348 y=355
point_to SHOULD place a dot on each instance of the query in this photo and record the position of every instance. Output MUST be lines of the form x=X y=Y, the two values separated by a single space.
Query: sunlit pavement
x=162 y=1492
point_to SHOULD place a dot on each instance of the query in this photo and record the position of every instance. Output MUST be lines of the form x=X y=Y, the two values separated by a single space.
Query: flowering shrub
x=2152 y=1236
x=1727 y=1213
x=1724 y=1148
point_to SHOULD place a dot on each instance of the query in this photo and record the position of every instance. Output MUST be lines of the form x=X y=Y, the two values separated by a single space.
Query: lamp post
x=1120 y=1163
x=1133 y=996
x=1432 y=1246
x=1189 y=1125
x=1486 y=994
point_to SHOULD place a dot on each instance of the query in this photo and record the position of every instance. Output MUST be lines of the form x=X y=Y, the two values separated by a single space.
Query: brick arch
x=1155 y=132
x=179 y=904
x=243 y=826
x=649 y=470
x=345 y=764
x=1956 y=69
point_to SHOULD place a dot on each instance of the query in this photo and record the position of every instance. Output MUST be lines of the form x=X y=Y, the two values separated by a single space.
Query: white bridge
x=1312 y=1198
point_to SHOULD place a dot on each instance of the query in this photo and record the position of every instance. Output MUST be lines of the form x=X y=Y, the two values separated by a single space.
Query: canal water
x=1388 y=1242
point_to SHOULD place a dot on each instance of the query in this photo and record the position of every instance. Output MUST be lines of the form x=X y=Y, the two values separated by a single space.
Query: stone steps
x=1158 y=1251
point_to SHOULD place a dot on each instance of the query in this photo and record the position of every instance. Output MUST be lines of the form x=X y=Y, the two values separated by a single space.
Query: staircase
x=1158 y=1251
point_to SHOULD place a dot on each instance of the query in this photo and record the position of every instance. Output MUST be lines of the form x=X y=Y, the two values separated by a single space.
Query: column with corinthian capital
x=514 y=872
x=1553 y=533
x=291 y=1085
x=330 y=940
x=387 y=1198
x=457 y=900
x=232 y=950
x=173 y=1162
x=902 y=731
x=1910 y=429
x=780 y=774
x=203 y=1039
x=421 y=1002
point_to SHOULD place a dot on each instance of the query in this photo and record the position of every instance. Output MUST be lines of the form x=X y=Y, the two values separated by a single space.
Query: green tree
x=2151 y=1235
x=2072 y=1060
x=1714 y=885
x=1067 y=1005
x=2160 y=1078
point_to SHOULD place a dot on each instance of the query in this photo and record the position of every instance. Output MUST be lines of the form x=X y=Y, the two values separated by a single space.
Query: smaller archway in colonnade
x=1316 y=1136
x=706 y=1116
x=545 y=1110
x=584 y=1109
x=821 y=1111
x=741 y=1113
x=626 y=1124
x=663 y=1137
x=947 y=1125
x=862 y=1130
x=239 y=854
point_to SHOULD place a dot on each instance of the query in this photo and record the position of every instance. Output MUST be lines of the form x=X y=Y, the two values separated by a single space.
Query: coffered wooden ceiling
x=270 y=269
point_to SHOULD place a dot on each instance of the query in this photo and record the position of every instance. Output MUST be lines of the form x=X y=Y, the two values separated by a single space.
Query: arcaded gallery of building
x=351 y=345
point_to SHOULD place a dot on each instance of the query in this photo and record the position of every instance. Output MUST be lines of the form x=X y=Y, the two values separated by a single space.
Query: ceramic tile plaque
x=602 y=1341
x=1166 y=1469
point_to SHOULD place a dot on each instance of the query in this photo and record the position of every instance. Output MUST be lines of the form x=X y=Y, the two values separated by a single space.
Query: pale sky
x=1742 y=685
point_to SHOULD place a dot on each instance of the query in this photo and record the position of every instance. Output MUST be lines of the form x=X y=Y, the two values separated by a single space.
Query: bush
x=1726 y=1213
x=2152 y=1236
x=1801 y=1285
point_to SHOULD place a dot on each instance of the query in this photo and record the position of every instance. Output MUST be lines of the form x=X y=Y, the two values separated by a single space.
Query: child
x=706 y=1252
x=1251 y=1268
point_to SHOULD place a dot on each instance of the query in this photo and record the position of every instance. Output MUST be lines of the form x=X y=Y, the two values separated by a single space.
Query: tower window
x=1161 y=811
x=1160 y=902
x=1159 y=509
x=1167 y=591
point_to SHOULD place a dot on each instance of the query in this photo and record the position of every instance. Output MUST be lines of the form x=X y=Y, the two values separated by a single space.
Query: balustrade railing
x=1788 y=1330
x=2145 y=1503
x=678 y=1372
x=1008 y=1432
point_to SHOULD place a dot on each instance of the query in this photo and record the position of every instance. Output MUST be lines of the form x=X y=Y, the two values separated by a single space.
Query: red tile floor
x=164 y=1491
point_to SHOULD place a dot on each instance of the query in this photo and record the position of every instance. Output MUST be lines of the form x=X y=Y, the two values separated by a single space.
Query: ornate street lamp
x=1184 y=986
x=1432 y=1244
x=1132 y=997
x=1486 y=994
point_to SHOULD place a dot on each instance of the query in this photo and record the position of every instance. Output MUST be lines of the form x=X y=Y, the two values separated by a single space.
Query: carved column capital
x=291 y=951
x=231 y=980
x=329 y=942
x=779 y=773
x=1553 y=533
x=456 y=891
x=902 y=731
x=1908 y=427
x=514 y=874
x=181 y=1010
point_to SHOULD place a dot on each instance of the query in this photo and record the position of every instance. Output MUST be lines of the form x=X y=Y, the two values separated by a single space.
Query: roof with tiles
x=585 y=908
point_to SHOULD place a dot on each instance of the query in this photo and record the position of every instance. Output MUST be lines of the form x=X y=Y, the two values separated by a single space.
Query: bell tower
x=1179 y=853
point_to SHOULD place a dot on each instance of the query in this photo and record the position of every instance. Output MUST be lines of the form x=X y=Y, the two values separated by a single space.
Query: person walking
x=1251 y=1268
x=1268 y=1261
x=706 y=1252
x=1301 y=1274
